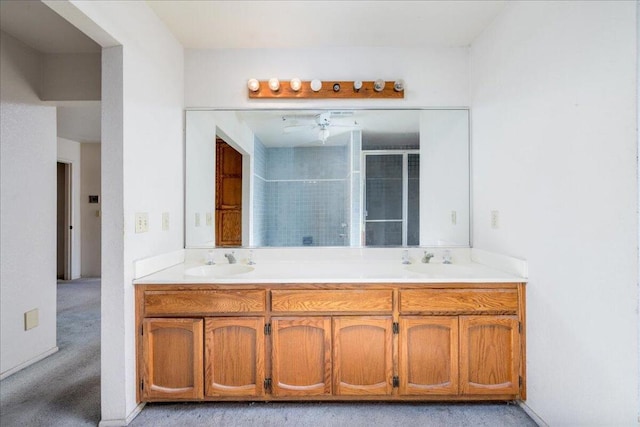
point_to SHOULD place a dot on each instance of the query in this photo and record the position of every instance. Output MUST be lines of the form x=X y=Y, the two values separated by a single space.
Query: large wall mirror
x=274 y=178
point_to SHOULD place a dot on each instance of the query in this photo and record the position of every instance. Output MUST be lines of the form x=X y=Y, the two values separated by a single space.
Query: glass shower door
x=391 y=196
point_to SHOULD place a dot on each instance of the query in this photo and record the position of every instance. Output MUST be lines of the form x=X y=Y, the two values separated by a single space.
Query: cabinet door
x=428 y=355
x=234 y=356
x=489 y=355
x=172 y=359
x=301 y=356
x=362 y=355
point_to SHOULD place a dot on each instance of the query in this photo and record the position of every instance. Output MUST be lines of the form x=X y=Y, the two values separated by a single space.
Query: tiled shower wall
x=305 y=195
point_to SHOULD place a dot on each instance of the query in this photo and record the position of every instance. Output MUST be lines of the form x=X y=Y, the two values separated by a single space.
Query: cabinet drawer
x=332 y=301
x=202 y=303
x=436 y=301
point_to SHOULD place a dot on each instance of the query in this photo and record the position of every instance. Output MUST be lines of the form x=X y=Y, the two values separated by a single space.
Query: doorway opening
x=228 y=195
x=63 y=221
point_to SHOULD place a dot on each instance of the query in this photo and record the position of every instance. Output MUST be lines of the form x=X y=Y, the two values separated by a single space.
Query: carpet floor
x=64 y=390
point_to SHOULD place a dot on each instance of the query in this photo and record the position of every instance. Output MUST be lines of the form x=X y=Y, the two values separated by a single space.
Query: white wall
x=142 y=171
x=73 y=77
x=27 y=209
x=434 y=77
x=553 y=88
x=444 y=185
x=90 y=212
x=68 y=151
x=200 y=155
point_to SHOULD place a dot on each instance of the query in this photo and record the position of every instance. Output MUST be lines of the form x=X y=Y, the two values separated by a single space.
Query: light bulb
x=357 y=85
x=274 y=84
x=398 y=86
x=378 y=85
x=295 y=84
x=316 y=85
x=253 y=85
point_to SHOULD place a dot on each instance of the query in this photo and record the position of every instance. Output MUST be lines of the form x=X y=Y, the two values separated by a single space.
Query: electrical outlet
x=454 y=217
x=165 y=221
x=495 y=219
x=197 y=219
x=31 y=319
x=142 y=222
x=209 y=218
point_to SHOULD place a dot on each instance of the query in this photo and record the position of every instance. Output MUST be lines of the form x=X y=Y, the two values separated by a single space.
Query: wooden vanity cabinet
x=463 y=342
x=331 y=342
x=234 y=356
x=489 y=355
x=362 y=355
x=428 y=355
x=301 y=356
x=171 y=359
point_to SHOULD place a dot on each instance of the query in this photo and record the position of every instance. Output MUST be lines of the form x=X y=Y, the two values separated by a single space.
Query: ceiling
x=306 y=23
x=42 y=29
x=203 y=24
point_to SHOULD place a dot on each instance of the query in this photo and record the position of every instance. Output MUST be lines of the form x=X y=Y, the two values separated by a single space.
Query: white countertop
x=363 y=271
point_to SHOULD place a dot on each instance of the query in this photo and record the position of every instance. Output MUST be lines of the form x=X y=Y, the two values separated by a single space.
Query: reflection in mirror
x=334 y=178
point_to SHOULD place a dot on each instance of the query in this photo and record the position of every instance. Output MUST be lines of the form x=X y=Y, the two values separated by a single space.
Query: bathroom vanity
x=368 y=337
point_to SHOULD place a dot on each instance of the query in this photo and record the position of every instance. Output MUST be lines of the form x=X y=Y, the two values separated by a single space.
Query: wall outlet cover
x=31 y=319
x=495 y=219
x=165 y=221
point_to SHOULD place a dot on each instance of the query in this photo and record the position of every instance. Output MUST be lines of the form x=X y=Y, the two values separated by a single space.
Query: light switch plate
x=495 y=219
x=142 y=222
x=31 y=319
x=454 y=217
x=165 y=221
x=209 y=218
x=197 y=219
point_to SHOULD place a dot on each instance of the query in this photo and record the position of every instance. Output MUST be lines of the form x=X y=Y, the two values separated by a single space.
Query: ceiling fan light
x=323 y=135
x=274 y=84
x=295 y=84
x=253 y=85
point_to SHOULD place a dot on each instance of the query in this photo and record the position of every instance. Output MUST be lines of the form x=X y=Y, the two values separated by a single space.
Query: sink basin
x=432 y=268
x=218 y=270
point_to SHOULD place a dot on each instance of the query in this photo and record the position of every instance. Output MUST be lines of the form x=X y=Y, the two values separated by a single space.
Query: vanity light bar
x=273 y=88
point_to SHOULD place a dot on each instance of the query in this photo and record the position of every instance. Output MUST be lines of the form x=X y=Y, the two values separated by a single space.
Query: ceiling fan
x=322 y=122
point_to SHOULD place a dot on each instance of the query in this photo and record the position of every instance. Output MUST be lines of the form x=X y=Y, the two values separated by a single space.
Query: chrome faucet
x=231 y=257
x=427 y=257
x=446 y=257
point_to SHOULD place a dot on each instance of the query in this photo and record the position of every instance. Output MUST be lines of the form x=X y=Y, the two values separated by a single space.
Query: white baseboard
x=29 y=362
x=124 y=421
x=535 y=417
